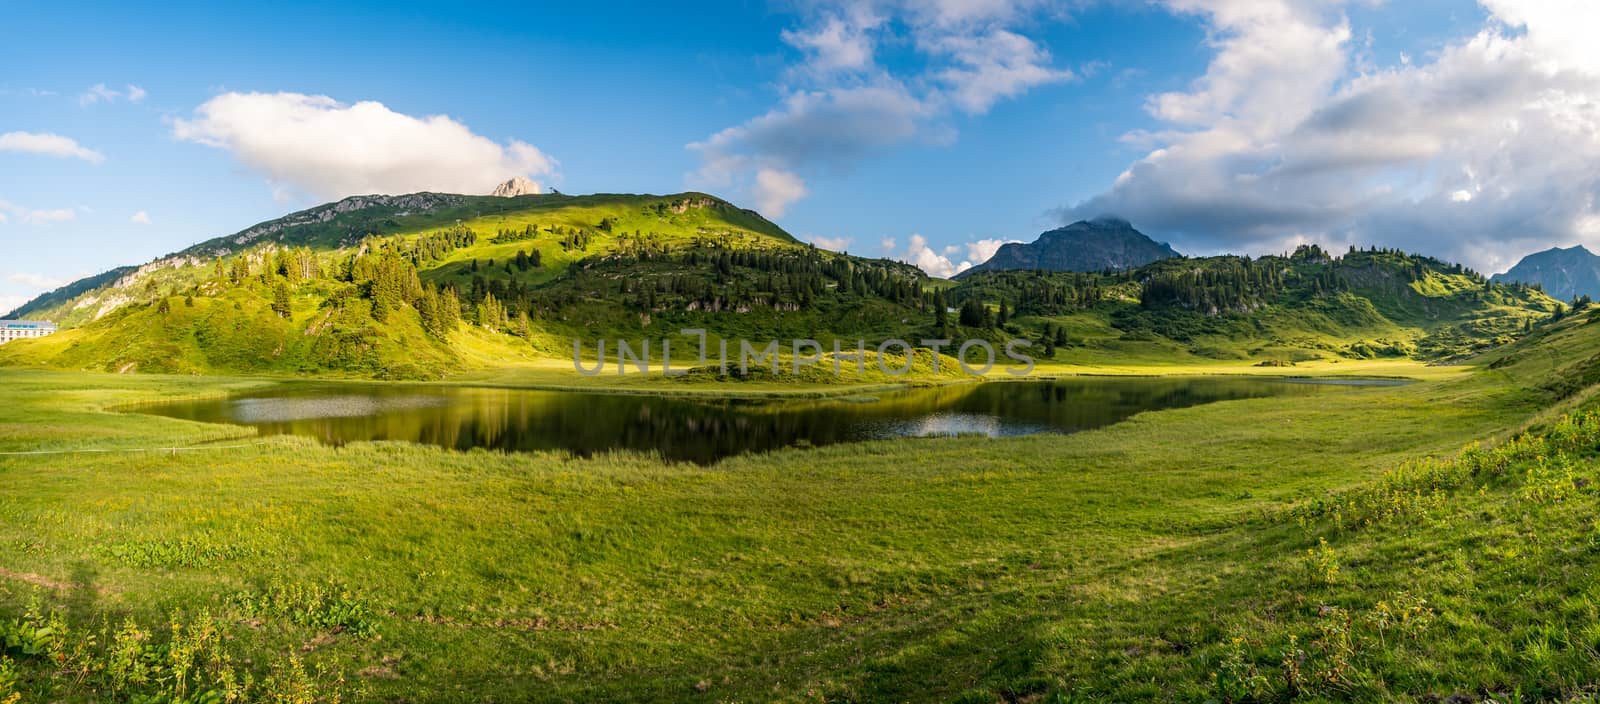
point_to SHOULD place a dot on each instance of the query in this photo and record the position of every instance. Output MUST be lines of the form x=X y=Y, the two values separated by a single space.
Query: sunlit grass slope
x=1324 y=547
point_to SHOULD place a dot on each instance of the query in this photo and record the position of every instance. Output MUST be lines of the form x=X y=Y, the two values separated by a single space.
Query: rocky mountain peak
x=1564 y=273
x=1087 y=245
x=517 y=186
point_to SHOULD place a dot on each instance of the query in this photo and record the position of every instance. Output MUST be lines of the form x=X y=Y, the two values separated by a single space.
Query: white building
x=24 y=329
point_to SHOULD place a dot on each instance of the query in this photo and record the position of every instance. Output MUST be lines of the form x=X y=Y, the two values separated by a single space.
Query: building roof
x=28 y=324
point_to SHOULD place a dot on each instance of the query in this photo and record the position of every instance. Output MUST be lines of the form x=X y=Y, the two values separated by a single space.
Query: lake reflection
x=704 y=431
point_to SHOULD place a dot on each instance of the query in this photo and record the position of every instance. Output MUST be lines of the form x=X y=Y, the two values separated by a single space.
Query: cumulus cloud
x=776 y=189
x=48 y=144
x=837 y=244
x=991 y=67
x=324 y=148
x=840 y=105
x=982 y=250
x=919 y=254
x=140 y=218
x=835 y=43
x=946 y=262
x=1480 y=153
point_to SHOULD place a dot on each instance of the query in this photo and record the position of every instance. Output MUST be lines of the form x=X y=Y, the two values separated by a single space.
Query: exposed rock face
x=1089 y=245
x=683 y=205
x=518 y=186
x=1564 y=273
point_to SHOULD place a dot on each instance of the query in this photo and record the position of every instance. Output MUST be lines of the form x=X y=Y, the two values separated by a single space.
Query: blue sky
x=927 y=131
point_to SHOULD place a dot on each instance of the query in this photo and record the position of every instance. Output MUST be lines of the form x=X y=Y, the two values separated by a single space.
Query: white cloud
x=993 y=66
x=45 y=217
x=947 y=262
x=1480 y=150
x=842 y=105
x=10 y=303
x=919 y=254
x=97 y=93
x=837 y=244
x=811 y=128
x=774 y=190
x=1560 y=30
x=324 y=148
x=140 y=218
x=36 y=281
x=28 y=216
x=981 y=250
x=839 y=42
x=47 y=144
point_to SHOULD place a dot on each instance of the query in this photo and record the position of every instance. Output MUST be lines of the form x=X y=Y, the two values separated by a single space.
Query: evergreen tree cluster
x=1042 y=292
x=1220 y=284
x=506 y=235
x=435 y=246
x=707 y=276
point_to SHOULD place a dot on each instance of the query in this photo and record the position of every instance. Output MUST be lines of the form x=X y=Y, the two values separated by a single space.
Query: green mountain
x=345 y=223
x=1275 y=309
x=426 y=285
x=380 y=286
x=1563 y=273
x=1102 y=244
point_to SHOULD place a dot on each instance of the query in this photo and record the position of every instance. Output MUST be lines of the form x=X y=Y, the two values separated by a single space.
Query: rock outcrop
x=517 y=186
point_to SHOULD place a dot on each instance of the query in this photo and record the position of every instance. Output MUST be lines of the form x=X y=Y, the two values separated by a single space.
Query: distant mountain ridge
x=1101 y=244
x=1563 y=273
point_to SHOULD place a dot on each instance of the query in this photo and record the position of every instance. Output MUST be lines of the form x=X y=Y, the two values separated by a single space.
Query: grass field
x=1320 y=547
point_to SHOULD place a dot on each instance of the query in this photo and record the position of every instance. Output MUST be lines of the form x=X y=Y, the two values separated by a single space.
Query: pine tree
x=391 y=285
x=449 y=311
x=280 y=300
x=491 y=314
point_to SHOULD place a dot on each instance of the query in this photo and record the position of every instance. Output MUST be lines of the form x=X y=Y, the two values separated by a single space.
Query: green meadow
x=1406 y=543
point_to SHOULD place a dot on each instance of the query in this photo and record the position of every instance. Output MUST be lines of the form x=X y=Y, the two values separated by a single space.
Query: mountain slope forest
x=425 y=285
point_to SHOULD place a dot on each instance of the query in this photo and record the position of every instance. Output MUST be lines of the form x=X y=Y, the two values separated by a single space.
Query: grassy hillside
x=212 y=309
x=1305 y=306
x=344 y=224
